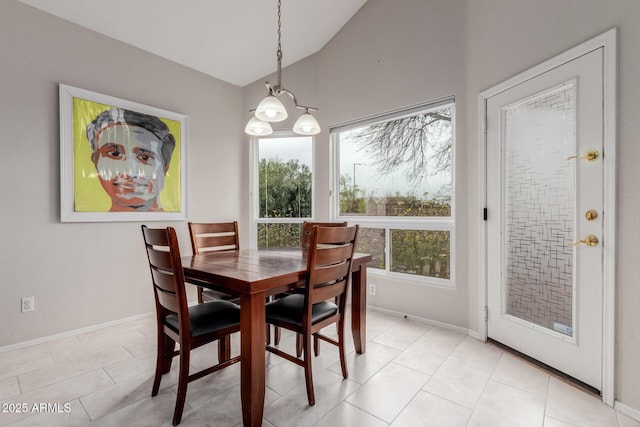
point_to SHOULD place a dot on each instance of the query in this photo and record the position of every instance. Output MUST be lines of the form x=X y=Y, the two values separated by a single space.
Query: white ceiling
x=233 y=40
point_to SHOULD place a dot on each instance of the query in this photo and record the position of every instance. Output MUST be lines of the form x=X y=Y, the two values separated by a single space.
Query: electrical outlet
x=372 y=289
x=28 y=304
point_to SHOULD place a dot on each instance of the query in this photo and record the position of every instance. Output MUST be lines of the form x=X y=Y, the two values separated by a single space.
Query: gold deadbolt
x=591 y=215
x=589 y=156
x=590 y=240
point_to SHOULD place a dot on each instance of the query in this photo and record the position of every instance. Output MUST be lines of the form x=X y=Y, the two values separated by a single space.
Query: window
x=283 y=185
x=394 y=177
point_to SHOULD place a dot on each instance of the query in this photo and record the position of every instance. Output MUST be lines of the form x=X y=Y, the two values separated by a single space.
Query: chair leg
x=224 y=348
x=308 y=372
x=268 y=334
x=200 y=299
x=298 y=345
x=343 y=359
x=276 y=330
x=316 y=345
x=164 y=357
x=183 y=381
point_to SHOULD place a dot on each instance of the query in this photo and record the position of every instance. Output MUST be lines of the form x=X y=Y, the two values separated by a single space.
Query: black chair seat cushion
x=289 y=309
x=208 y=317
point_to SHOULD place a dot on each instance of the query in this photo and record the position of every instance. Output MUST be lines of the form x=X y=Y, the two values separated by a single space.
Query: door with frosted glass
x=545 y=211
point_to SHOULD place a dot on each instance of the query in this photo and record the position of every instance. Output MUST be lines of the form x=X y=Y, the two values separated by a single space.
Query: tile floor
x=412 y=374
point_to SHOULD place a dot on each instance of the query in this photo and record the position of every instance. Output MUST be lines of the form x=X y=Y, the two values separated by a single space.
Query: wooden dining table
x=253 y=275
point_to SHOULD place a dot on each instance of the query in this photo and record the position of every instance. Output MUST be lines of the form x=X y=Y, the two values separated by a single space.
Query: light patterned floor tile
x=9 y=387
x=117 y=396
x=429 y=352
x=389 y=391
x=293 y=409
x=402 y=334
x=460 y=380
x=518 y=373
x=505 y=406
x=626 y=421
x=361 y=367
x=566 y=403
x=552 y=422
x=12 y=364
x=378 y=323
x=149 y=412
x=70 y=366
x=428 y=410
x=348 y=415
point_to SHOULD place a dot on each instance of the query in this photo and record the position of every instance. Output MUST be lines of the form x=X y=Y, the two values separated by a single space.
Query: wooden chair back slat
x=329 y=273
x=163 y=280
x=214 y=227
x=333 y=255
x=214 y=243
x=160 y=259
x=324 y=293
x=155 y=237
x=214 y=236
x=307 y=226
x=167 y=300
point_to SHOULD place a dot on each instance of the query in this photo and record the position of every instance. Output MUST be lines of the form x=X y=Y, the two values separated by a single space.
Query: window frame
x=254 y=182
x=389 y=223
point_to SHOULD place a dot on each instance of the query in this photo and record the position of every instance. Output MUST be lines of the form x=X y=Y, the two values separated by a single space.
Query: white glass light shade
x=306 y=125
x=271 y=109
x=257 y=127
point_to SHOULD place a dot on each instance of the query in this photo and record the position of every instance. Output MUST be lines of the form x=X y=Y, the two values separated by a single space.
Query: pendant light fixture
x=270 y=109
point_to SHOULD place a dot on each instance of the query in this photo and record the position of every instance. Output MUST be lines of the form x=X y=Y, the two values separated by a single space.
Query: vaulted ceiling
x=233 y=40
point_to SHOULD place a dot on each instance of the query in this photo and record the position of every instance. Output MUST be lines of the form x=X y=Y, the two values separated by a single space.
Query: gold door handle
x=590 y=240
x=589 y=156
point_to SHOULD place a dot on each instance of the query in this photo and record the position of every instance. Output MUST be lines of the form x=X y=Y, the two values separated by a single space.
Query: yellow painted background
x=89 y=196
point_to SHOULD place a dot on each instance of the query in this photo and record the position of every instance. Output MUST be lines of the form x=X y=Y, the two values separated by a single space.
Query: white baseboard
x=421 y=319
x=72 y=333
x=627 y=410
x=477 y=335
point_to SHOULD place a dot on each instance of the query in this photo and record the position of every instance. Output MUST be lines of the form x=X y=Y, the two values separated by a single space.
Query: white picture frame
x=86 y=195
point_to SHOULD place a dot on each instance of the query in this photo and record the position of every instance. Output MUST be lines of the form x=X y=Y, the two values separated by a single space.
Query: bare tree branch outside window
x=421 y=145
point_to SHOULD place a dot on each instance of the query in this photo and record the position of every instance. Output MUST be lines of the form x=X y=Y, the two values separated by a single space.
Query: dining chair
x=323 y=301
x=213 y=237
x=305 y=238
x=217 y=237
x=190 y=327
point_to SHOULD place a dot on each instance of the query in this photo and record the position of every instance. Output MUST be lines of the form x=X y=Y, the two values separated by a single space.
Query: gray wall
x=402 y=52
x=83 y=274
x=391 y=54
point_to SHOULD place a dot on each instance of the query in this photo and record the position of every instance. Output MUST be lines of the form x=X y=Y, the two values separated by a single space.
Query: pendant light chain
x=271 y=109
x=279 y=53
x=278 y=87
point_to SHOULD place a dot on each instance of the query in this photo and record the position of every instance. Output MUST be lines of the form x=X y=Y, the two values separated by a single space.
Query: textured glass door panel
x=539 y=208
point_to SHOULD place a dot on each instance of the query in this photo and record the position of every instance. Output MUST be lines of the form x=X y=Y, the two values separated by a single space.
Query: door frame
x=607 y=41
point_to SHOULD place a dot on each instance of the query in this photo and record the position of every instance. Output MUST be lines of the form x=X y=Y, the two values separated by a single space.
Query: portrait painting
x=120 y=160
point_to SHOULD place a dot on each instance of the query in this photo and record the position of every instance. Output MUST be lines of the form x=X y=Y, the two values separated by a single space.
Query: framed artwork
x=120 y=160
